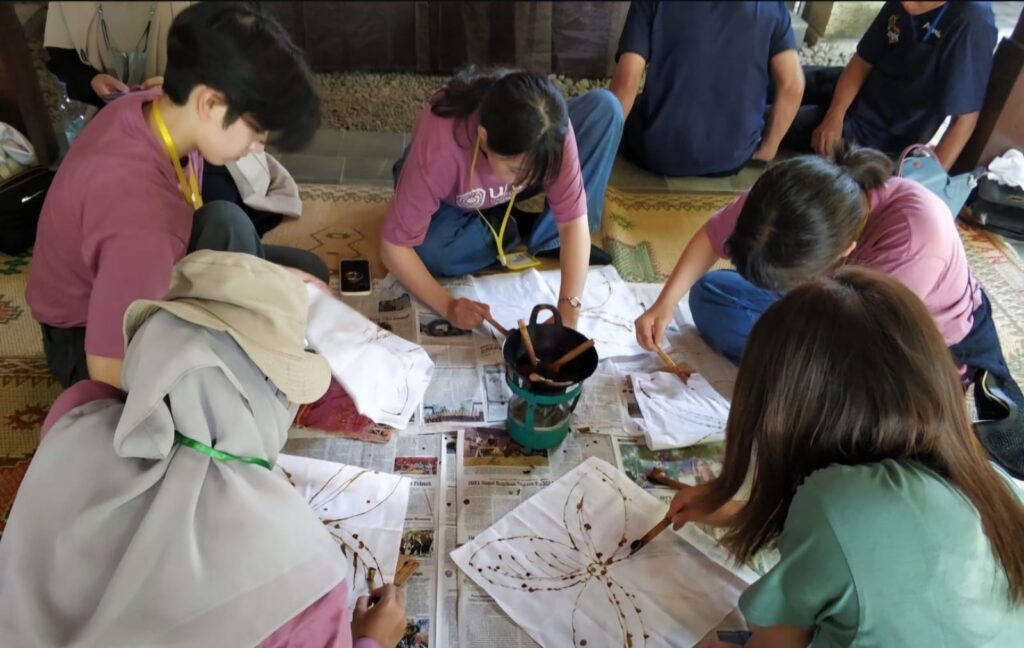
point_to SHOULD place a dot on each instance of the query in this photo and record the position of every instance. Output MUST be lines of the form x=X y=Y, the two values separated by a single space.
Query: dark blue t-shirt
x=702 y=108
x=923 y=68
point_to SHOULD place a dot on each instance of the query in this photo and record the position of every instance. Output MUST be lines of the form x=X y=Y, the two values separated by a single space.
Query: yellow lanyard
x=189 y=189
x=498 y=235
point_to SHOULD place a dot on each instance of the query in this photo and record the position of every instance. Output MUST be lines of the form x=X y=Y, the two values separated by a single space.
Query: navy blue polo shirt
x=703 y=105
x=923 y=68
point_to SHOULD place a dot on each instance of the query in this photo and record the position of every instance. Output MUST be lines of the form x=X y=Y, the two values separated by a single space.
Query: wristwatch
x=574 y=301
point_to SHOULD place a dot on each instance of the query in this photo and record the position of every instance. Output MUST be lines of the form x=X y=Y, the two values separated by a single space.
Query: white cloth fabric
x=265 y=184
x=120 y=537
x=16 y=152
x=385 y=375
x=1008 y=169
x=678 y=414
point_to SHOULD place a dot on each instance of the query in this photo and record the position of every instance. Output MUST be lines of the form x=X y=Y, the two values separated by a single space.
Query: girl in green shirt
x=893 y=527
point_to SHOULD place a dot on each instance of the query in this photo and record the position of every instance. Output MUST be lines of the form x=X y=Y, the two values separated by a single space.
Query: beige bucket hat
x=260 y=305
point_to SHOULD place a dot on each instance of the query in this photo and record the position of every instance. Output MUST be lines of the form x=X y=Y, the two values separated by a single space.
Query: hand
x=650 y=327
x=466 y=314
x=827 y=136
x=105 y=85
x=385 y=621
x=152 y=82
x=683 y=509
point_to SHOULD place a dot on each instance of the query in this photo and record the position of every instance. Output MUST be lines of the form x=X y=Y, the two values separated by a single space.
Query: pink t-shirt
x=113 y=225
x=436 y=170
x=909 y=236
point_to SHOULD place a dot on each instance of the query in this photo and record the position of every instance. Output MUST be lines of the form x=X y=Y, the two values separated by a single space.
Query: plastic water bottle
x=72 y=114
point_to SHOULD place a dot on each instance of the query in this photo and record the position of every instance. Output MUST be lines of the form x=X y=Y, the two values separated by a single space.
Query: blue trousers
x=726 y=306
x=458 y=243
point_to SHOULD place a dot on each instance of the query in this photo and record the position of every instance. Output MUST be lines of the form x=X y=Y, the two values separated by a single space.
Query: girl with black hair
x=485 y=141
x=806 y=216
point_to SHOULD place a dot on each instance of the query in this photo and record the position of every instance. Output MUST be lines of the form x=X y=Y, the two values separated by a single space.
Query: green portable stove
x=539 y=412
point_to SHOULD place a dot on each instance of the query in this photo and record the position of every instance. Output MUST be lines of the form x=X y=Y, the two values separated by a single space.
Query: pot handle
x=542 y=307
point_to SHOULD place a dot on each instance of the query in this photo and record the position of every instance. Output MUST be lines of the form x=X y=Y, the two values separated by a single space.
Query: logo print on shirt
x=893 y=32
x=473 y=199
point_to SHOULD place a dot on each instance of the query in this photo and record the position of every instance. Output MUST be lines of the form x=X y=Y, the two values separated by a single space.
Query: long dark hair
x=852 y=370
x=802 y=214
x=523 y=113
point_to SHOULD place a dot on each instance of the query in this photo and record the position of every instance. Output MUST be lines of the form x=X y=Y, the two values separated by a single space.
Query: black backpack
x=998 y=208
x=21 y=200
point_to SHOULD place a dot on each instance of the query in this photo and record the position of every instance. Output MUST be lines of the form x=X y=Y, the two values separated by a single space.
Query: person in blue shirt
x=709 y=67
x=918 y=63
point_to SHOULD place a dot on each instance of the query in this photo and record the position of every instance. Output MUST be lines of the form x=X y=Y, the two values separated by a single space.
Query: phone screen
x=355 y=276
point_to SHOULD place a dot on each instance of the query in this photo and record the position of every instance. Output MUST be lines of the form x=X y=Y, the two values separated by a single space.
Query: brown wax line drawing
x=347 y=541
x=557 y=564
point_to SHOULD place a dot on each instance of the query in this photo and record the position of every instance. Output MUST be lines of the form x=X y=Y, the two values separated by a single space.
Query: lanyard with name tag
x=190 y=187
x=515 y=260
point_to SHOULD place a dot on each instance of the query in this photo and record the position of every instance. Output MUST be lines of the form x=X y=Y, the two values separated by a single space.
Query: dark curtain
x=573 y=38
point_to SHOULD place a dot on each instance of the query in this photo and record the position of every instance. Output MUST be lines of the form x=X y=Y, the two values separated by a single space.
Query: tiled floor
x=360 y=158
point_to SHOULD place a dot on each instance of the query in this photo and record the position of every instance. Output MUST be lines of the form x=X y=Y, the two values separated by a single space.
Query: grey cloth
x=120 y=537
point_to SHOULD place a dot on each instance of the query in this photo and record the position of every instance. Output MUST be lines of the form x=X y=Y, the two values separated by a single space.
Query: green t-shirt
x=886 y=554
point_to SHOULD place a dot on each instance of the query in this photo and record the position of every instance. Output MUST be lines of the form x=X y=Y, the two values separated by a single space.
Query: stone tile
x=326 y=143
x=629 y=177
x=380 y=145
x=374 y=171
x=313 y=169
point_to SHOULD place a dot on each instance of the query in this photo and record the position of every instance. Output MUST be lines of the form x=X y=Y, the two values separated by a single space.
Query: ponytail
x=464 y=92
x=869 y=168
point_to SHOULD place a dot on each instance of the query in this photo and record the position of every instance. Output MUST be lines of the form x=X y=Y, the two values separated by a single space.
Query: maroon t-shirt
x=112 y=227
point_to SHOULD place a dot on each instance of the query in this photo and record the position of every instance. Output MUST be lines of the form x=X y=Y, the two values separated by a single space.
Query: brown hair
x=852 y=370
x=802 y=214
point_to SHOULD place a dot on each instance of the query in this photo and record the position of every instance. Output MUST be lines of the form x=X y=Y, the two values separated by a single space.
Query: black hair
x=802 y=214
x=523 y=113
x=247 y=56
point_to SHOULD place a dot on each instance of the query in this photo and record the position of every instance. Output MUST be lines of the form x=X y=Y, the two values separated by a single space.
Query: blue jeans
x=458 y=243
x=726 y=306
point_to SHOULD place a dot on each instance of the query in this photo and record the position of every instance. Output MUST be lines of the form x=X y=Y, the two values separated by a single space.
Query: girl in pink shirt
x=484 y=142
x=806 y=216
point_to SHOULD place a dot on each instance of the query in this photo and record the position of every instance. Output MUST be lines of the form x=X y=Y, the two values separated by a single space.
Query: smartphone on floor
x=355 y=277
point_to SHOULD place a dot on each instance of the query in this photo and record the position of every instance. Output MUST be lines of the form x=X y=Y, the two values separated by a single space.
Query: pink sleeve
x=566 y=194
x=720 y=226
x=125 y=267
x=324 y=624
x=426 y=177
x=78 y=394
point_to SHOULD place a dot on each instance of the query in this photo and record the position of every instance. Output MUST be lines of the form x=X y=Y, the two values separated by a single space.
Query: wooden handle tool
x=683 y=372
x=650 y=535
x=524 y=331
x=557 y=365
x=498 y=327
x=658 y=476
x=405 y=571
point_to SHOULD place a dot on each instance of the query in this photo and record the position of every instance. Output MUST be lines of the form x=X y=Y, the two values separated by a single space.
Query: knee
x=604 y=108
x=221 y=216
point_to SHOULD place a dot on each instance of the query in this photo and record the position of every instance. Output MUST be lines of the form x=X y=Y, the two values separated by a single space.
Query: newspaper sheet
x=496 y=474
x=447 y=627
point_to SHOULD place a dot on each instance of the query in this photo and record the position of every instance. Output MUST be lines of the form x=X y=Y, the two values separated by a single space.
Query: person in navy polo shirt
x=709 y=68
x=918 y=63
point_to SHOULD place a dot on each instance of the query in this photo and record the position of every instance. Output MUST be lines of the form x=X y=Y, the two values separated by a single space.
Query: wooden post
x=21 y=100
x=1001 y=122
